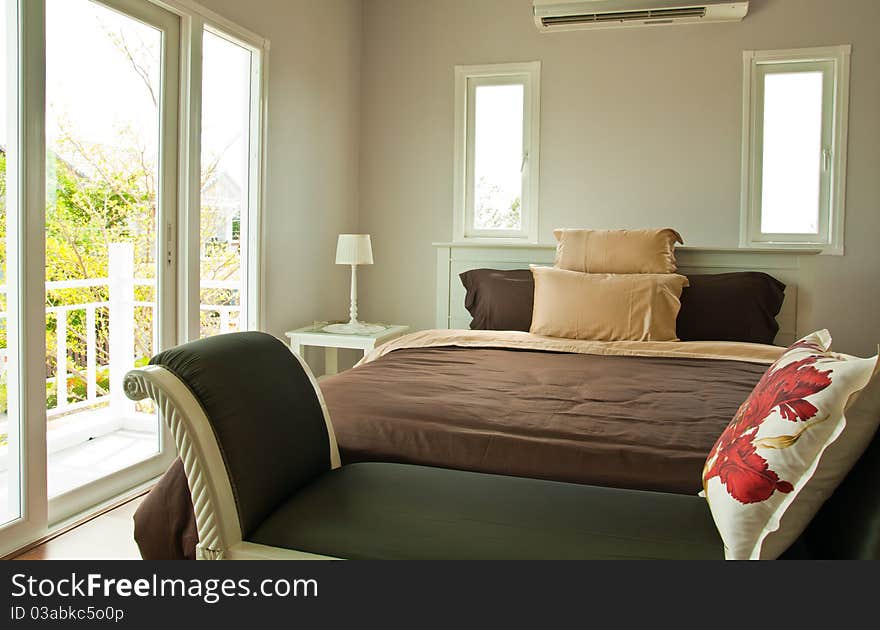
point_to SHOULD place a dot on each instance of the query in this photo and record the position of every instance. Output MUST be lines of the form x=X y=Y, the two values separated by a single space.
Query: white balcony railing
x=121 y=305
x=101 y=412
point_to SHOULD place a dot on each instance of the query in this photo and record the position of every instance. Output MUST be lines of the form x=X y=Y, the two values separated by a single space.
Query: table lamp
x=354 y=250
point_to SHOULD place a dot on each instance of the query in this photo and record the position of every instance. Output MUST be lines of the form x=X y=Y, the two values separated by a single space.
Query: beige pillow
x=606 y=307
x=617 y=251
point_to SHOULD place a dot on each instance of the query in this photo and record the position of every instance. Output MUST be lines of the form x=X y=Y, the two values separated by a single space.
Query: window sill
x=805 y=249
x=501 y=242
x=494 y=240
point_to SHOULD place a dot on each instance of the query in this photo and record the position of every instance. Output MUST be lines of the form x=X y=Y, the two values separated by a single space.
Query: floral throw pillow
x=768 y=473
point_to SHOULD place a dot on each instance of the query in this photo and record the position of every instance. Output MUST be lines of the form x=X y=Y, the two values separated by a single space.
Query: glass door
x=11 y=487
x=23 y=508
x=93 y=105
x=111 y=199
x=227 y=186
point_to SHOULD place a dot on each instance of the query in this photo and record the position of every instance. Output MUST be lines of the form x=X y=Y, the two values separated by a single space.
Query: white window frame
x=467 y=79
x=834 y=62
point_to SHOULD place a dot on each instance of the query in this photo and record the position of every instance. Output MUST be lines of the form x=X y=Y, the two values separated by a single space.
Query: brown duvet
x=633 y=422
x=623 y=421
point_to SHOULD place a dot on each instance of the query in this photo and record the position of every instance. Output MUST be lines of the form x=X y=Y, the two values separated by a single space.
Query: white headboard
x=456 y=258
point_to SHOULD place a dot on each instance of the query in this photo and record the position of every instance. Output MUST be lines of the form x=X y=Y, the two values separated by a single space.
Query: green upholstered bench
x=398 y=511
x=263 y=469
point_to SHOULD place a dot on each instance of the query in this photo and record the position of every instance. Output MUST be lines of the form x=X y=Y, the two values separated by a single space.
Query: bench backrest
x=266 y=414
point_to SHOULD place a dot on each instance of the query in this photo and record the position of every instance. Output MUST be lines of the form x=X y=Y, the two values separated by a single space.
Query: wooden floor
x=109 y=536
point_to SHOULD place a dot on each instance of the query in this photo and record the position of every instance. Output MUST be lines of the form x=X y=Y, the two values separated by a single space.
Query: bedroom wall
x=314 y=133
x=639 y=128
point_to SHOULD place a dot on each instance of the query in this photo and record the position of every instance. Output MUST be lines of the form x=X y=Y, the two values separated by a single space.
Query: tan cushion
x=617 y=251
x=606 y=307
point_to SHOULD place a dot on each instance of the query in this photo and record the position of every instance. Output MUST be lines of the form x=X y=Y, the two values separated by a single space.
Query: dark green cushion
x=397 y=511
x=264 y=412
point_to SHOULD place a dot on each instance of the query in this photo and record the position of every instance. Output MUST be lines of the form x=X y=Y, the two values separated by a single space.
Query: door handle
x=169 y=242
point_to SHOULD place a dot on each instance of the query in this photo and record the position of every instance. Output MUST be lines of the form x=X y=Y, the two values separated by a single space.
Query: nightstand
x=314 y=336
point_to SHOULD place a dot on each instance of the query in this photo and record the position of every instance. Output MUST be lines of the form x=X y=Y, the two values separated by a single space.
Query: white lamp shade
x=354 y=249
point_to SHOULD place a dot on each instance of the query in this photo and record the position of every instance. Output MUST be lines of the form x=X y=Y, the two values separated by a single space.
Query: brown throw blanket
x=622 y=421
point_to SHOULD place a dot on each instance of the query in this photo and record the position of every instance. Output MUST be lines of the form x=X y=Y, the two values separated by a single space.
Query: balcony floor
x=95 y=456
x=78 y=465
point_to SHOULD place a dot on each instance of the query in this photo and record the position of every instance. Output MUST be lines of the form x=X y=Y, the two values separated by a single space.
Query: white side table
x=314 y=336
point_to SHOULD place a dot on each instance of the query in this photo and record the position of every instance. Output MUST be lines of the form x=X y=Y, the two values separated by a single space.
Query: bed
x=624 y=415
x=637 y=415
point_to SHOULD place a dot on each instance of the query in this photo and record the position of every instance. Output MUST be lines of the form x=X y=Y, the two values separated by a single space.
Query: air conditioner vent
x=627 y=16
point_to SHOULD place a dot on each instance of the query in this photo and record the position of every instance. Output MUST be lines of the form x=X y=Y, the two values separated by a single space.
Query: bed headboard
x=456 y=258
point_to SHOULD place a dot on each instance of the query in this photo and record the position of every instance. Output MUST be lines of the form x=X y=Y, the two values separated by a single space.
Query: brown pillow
x=606 y=307
x=739 y=306
x=617 y=251
x=499 y=300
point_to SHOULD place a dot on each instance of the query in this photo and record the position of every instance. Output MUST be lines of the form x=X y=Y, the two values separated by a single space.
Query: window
x=794 y=156
x=497 y=124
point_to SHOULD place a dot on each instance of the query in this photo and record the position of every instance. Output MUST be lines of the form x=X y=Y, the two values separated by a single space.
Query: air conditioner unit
x=571 y=15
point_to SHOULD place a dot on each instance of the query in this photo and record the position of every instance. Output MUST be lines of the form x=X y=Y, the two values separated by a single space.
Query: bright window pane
x=792 y=153
x=498 y=157
x=10 y=420
x=226 y=101
x=103 y=91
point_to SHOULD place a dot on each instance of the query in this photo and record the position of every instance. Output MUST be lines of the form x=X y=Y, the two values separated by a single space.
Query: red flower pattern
x=735 y=459
x=807 y=344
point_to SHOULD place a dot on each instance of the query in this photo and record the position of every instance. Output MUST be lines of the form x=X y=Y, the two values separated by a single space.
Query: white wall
x=639 y=128
x=313 y=137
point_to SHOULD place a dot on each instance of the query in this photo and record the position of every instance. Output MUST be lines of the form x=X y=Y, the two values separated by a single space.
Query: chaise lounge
x=266 y=480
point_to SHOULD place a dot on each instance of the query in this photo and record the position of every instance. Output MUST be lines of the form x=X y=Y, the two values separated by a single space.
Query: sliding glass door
x=228 y=70
x=130 y=184
x=11 y=487
x=111 y=199
x=23 y=508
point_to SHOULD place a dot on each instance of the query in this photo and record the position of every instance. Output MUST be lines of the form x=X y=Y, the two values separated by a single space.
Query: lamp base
x=354 y=328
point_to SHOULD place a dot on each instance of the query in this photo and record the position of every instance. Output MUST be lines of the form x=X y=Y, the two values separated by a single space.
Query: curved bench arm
x=214 y=504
